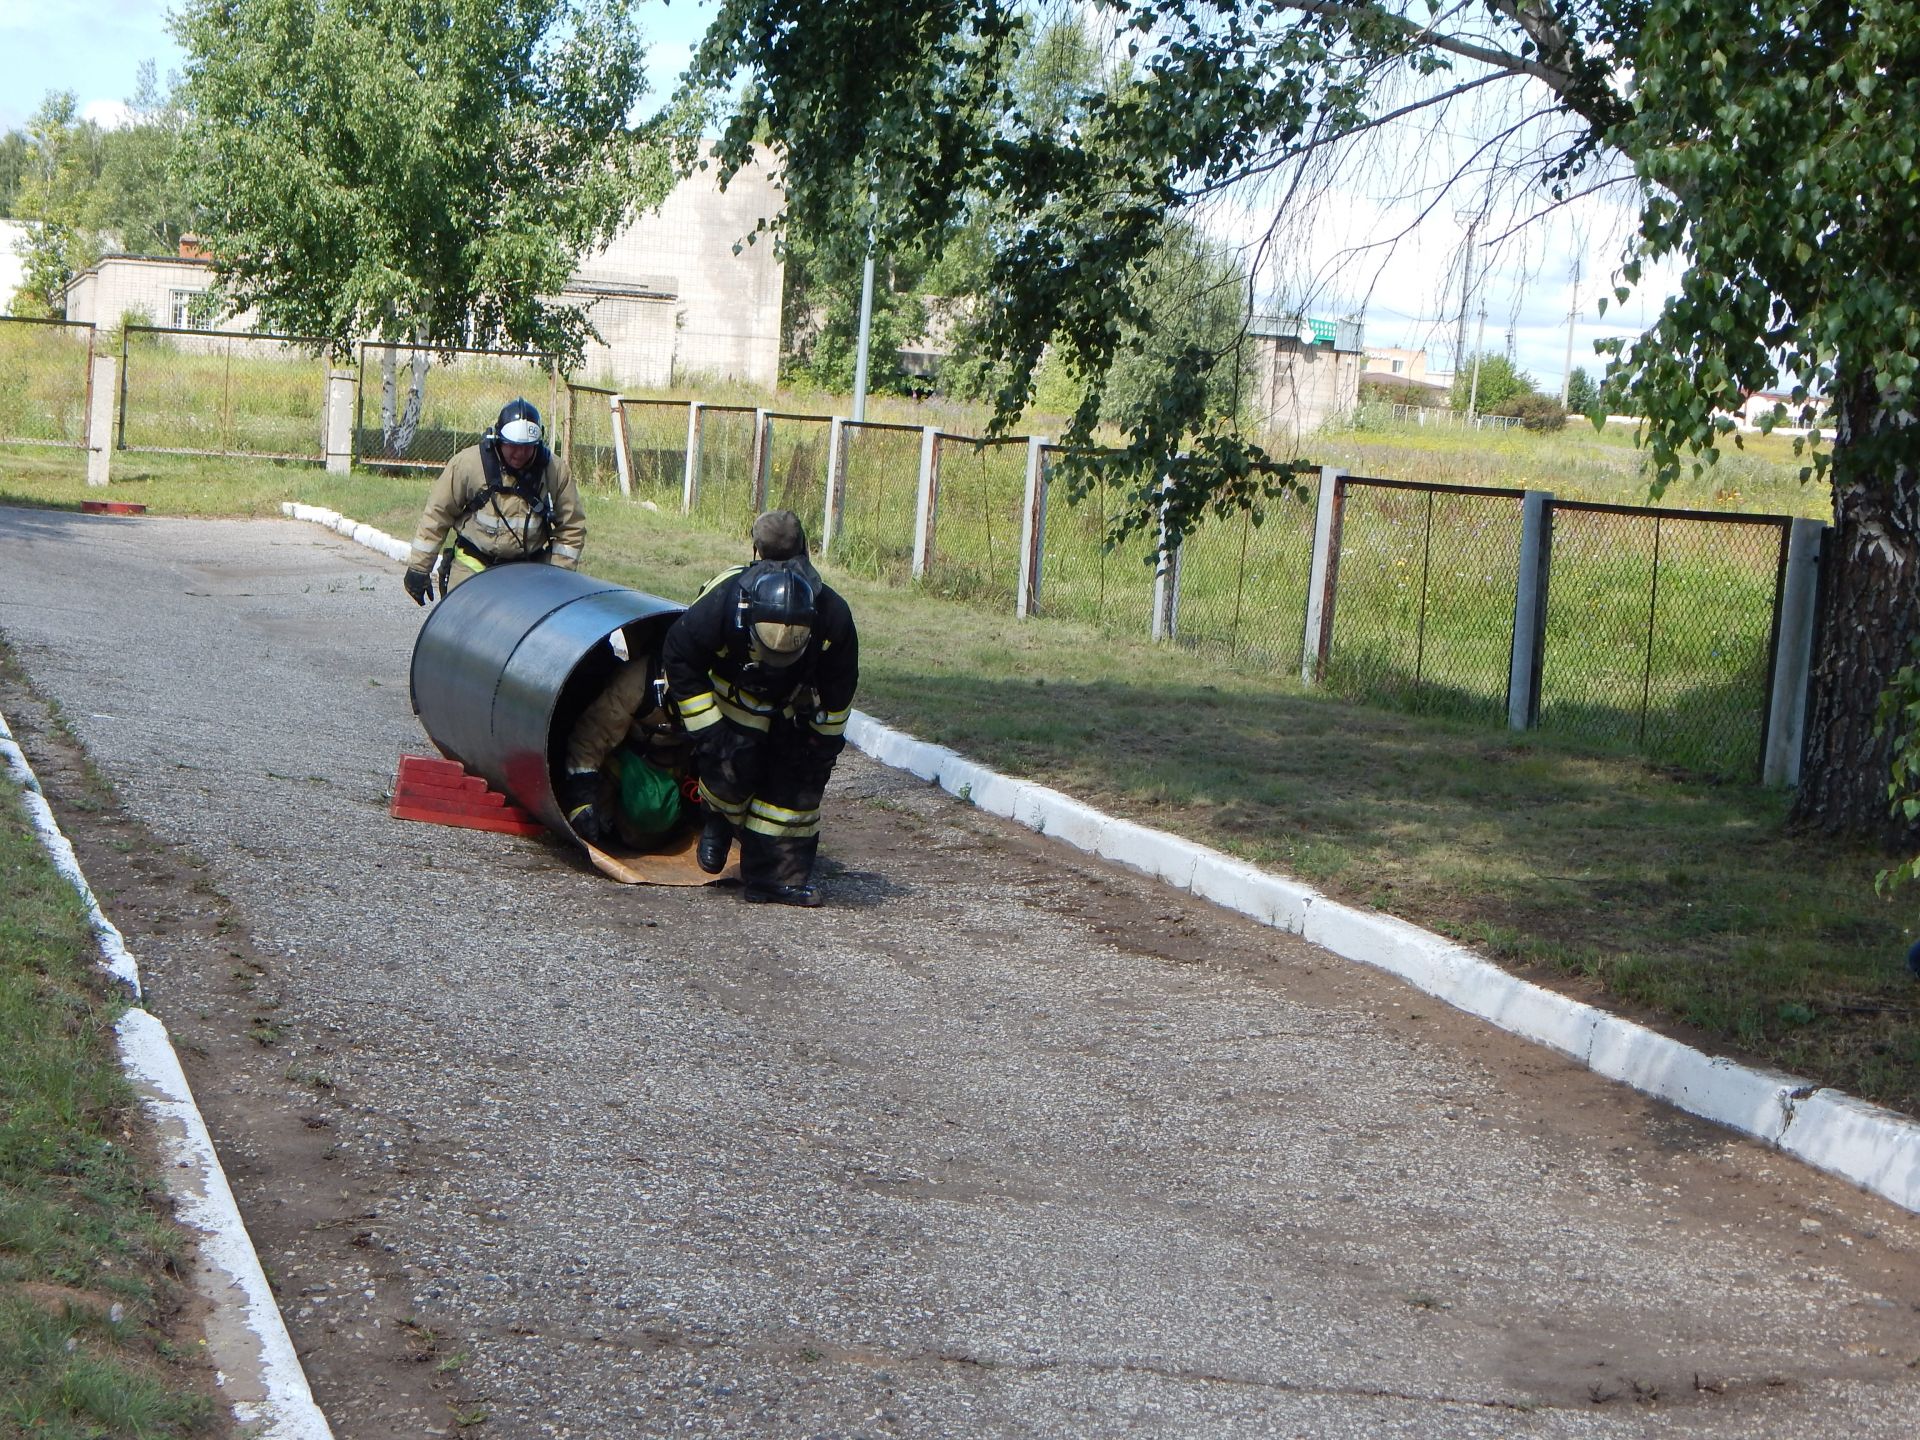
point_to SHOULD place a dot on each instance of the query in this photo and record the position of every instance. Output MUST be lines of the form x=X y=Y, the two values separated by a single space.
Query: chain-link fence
x=729 y=452
x=878 y=500
x=1082 y=577
x=1243 y=582
x=797 y=468
x=980 y=491
x=1422 y=595
x=657 y=449
x=208 y=392
x=46 y=381
x=417 y=406
x=592 y=445
x=1660 y=631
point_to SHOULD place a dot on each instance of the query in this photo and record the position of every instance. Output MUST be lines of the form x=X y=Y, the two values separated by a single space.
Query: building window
x=1398 y=366
x=188 y=310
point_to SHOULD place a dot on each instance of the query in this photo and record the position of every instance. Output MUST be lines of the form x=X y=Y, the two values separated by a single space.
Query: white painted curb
x=247 y=1338
x=1874 y=1148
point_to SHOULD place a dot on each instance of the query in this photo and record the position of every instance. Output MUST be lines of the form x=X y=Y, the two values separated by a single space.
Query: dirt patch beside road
x=267 y=1101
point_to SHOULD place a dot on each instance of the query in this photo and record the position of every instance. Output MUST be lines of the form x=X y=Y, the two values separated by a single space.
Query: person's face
x=516 y=457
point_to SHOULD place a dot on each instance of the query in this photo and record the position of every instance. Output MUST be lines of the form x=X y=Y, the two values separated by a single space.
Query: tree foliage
x=1583 y=395
x=86 y=190
x=1492 y=385
x=413 y=170
x=1770 y=145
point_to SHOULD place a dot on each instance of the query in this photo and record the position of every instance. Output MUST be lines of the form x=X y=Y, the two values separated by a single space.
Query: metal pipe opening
x=505 y=663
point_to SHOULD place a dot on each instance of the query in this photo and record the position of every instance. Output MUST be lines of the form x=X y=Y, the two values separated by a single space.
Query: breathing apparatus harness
x=529 y=486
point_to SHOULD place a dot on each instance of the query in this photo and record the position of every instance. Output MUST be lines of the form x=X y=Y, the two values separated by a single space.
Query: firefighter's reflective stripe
x=747 y=719
x=743 y=707
x=420 y=549
x=780 y=823
x=471 y=561
x=734 y=810
x=565 y=552
x=699 y=712
x=830 y=722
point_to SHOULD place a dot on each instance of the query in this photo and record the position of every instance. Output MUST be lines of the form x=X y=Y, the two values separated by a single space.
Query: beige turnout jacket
x=504 y=527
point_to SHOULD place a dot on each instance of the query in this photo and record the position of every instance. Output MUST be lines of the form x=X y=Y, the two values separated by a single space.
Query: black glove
x=419 y=585
x=578 y=792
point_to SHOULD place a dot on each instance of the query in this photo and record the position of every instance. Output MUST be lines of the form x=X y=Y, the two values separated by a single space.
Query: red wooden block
x=494 y=820
x=441 y=792
x=469 y=794
x=423 y=766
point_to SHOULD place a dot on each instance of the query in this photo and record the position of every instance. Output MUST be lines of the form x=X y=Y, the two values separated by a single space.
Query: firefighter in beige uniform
x=505 y=500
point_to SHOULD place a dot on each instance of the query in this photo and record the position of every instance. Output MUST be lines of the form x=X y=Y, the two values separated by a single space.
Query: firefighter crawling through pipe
x=624 y=723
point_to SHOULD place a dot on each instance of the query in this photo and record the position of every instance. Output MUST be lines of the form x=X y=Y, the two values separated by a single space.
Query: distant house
x=1409 y=367
x=1761 y=403
x=668 y=295
x=1306 y=372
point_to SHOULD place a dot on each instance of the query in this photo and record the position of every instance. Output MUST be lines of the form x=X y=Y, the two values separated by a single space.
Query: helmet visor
x=779 y=645
x=520 y=431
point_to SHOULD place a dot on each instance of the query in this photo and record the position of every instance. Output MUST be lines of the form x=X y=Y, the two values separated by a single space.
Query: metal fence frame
x=555 y=382
x=1781 y=525
x=230 y=337
x=86 y=385
x=745 y=482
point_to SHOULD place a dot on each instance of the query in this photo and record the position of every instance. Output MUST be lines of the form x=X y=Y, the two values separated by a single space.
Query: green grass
x=87 y=1259
x=1673 y=894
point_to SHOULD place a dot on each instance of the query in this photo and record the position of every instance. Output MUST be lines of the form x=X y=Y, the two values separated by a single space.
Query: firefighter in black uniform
x=762 y=669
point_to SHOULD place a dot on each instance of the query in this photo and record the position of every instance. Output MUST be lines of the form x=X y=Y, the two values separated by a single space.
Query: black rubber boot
x=716 y=839
x=778 y=872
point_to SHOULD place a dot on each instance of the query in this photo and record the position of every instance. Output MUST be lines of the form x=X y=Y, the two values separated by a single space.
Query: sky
x=94 y=48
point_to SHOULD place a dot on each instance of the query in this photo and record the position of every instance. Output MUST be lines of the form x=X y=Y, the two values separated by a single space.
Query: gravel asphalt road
x=1003 y=1142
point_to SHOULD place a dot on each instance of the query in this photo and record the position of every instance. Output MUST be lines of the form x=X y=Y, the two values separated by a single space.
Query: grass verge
x=1665 y=894
x=89 y=1288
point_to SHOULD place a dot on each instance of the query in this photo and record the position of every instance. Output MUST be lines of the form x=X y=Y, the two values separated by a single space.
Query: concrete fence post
x=836 y=473
x=1792 y=656
x=926 y=501
x=691 y=486
x=622 y=453
x=1166 y=585
x=1323 y=575
x=100 y=436
x=1529 y=650
x=762 y=458
x=341 y=390
x=1033 y=530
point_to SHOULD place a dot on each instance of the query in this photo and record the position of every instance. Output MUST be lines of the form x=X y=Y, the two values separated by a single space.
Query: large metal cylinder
x=507 y=661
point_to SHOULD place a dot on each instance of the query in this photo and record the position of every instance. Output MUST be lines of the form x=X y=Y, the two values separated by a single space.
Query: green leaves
x=407 y=169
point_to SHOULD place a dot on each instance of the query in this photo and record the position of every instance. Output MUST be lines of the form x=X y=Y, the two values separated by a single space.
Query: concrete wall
x=1397 y=361
x=120 y=283
x=12 y=266
x=1300 y=387
x=726 y=307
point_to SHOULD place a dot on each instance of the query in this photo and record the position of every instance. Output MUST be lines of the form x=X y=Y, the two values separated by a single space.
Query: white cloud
x=108 y=114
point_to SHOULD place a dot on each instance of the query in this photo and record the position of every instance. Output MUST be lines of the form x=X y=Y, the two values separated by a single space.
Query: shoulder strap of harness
x=534 y=491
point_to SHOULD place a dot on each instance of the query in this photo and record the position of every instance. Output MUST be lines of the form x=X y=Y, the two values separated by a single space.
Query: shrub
x=1537 y=412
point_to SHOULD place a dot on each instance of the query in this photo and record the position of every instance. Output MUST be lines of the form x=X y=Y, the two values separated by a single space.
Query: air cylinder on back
x=505 y=663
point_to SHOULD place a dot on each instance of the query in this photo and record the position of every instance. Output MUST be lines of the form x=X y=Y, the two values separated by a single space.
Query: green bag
x=649 y=797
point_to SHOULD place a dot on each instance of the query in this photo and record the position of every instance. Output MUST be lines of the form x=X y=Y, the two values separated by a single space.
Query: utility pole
x=1466 y=291
x=1573 y=312
x=1479 y=344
